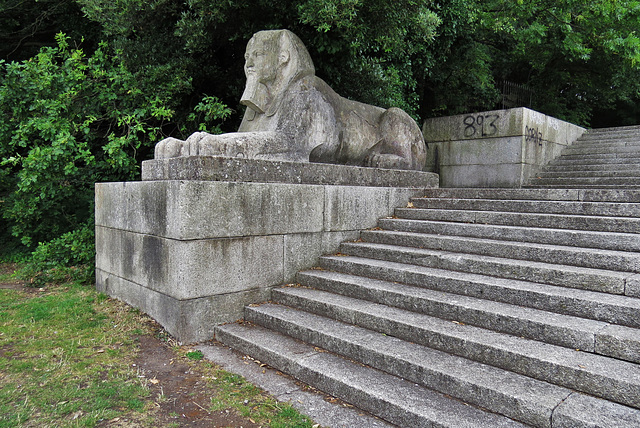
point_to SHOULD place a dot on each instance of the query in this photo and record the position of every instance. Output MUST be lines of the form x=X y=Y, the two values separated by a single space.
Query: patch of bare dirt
x=178 y=390
x=12 y=283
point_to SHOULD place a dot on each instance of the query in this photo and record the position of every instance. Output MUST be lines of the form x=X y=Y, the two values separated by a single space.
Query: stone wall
x=502 y=148
x=201 y=237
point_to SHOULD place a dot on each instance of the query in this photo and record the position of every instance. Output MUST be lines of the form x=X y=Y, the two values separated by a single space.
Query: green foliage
x=67 y=258
x=196 y=355
x=74 y=120
x=577 y=57
x=206 y=115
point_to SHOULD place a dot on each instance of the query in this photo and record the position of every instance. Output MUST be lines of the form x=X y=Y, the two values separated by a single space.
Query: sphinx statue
x=293 y=115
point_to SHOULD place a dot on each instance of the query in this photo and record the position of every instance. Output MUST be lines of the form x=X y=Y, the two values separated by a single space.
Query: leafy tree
x=73 y=120
x=575 y=56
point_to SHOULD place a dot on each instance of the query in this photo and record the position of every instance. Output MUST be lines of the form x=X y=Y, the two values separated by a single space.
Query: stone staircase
x=601 y=158
x=471 y=308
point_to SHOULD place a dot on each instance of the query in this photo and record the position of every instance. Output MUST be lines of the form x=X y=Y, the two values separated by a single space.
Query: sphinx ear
x=283 y=58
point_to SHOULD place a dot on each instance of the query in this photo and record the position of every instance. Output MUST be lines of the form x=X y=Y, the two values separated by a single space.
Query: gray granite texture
x=207 y=236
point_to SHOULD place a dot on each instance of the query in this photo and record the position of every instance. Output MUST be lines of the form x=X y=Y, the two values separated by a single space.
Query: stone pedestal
x=201 y=237
x=502 y=148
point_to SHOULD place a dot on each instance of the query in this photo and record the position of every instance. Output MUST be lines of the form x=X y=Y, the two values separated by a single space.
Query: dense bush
x=73 y=120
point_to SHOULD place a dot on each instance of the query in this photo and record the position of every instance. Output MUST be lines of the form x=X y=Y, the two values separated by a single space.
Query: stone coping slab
x=214 y=168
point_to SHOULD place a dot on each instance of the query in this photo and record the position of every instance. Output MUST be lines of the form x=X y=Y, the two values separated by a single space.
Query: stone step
x=559 y=173
x=599 y=145
x=611 y=132
x=586 y=186
x=604 y=281
x=592 y=168
x=613 y=209
x=594 y=161
x=579 y=149
x=558 y=329
x=586 y=181
x=613 y=142
x=603 y=377
x=623 y=157
x=530 y=233
x=576 y=301
x=558 y=221
x=607 y=138
x=396 y=400
x=622 y=261
x=513 y=395
x=614 y=129
x=557 y=195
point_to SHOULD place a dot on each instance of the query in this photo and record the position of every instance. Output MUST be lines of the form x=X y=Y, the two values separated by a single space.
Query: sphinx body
x=293 y=115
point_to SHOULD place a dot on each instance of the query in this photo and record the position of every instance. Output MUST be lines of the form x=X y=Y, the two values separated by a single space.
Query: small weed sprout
x=195 y=355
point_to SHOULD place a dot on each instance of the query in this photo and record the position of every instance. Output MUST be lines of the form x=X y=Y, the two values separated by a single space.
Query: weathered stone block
x=632 y=286
x=192 y=253
x=201 y=210
x=217 y=168
x=479 y=142
x=302 y=250
x=191 y=269
x=496 y=175
x=220 y=209
x=191 y=320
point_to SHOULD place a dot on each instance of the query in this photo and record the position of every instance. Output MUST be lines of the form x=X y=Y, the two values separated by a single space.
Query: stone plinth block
x=501 y=148
x=192 y=252
x=229 y=169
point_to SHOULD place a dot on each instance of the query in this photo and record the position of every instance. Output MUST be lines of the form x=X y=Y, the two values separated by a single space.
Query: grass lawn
x=70 y=356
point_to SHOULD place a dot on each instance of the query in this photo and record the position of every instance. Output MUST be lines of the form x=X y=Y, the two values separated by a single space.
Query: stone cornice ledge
x=213 y=168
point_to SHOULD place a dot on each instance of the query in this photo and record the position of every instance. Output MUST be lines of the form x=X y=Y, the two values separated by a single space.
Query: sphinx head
x=273 y=60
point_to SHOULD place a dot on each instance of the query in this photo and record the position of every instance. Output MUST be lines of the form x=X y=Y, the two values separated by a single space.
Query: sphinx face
x=261 y=68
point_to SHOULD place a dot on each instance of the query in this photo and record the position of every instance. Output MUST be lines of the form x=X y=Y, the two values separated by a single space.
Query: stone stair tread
x=559 y=329
x=519 y=397
x=592 y=167
x=506 y=232
x=614 y=209
x=590 y=258
x=580 y=410
x=578 y=185
x=605 y=377
x=589 y=174
x=516 y=396
x=547 y=194
x=609 y=154
x=578 y=150
x=607 y=142
x=587 y=186
x=569 y=181
x=572 y=301
x=396 y=400
x=575 y=222
x=601 y=280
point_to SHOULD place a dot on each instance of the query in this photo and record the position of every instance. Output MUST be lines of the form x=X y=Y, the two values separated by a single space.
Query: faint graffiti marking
x=532 y=135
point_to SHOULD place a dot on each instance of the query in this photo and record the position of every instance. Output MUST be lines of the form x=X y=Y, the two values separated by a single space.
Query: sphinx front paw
x=386 y=160
x=170 y=148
